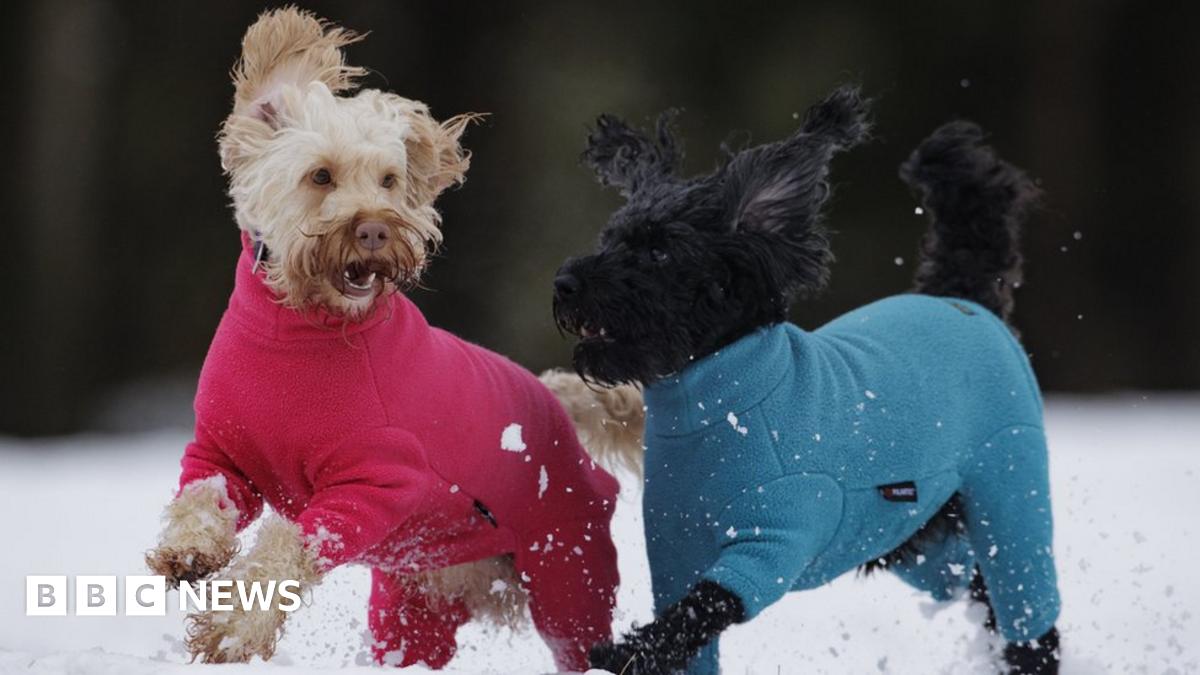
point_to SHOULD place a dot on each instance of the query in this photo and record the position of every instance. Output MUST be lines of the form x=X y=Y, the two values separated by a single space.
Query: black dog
x=688 y=267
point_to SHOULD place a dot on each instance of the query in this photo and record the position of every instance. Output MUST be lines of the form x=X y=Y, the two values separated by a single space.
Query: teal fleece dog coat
x=790 y=457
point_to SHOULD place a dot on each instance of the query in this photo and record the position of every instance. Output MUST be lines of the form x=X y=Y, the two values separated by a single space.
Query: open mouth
x=590 y=333
x=358 y=281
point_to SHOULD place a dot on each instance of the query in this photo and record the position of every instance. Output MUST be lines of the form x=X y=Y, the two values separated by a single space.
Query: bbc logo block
x=95 y=595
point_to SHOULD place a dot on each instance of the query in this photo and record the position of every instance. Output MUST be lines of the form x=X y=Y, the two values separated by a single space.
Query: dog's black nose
x=566 y=285
x=371 y=234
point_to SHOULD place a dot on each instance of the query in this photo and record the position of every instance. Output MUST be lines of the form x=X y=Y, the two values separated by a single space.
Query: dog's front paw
x=186 y=564
x=233 y=636
x=626 y=658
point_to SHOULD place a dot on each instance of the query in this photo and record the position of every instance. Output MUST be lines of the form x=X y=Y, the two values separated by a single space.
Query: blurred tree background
x=119 y=246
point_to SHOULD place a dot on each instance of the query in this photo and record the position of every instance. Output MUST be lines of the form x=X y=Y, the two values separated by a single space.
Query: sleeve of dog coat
x=363 y=489
x=204 y=458
x=571 y=575
x=770 y=534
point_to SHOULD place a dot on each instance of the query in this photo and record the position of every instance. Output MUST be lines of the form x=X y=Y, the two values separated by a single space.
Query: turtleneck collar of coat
x=727 y=382
x=256 y=306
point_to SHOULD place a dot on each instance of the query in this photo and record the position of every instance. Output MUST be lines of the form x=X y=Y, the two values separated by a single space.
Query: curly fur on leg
x=200 y=536
x=237 y=635
x=490 y=589
x=609 y=420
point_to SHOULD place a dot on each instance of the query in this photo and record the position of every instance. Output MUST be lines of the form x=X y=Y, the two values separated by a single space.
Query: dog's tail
x=609 y=420
x=976 y=203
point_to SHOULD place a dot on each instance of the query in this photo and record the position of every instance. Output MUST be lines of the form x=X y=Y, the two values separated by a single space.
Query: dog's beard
x=624 y=348
x=326 y=268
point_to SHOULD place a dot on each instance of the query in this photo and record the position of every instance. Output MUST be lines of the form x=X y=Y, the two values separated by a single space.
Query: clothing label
x=899 y=492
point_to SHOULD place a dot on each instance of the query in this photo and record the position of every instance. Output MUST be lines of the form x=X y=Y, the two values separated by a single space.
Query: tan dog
x=336 y=191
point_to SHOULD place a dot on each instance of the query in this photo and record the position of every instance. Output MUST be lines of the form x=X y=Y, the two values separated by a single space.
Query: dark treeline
x=119 y=245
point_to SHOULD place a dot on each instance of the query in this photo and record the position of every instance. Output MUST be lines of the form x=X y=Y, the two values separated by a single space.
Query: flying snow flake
x=733 y=422
x=731 y=532
x=543 y=481
x=918 y=210
x=993 y=551
x=898 y=260
x=1078 y=235
x=956 y=569
x=869 y=394
x=499 y=586
x=510 y=438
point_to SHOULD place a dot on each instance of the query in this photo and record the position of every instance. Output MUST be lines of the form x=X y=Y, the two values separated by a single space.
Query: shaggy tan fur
x=609 y=420
x=381 y=157
x=200 y=533
x=291 y=46
x=490 y=588
x=279 y=554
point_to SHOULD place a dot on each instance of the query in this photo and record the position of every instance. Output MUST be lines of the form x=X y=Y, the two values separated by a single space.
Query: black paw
x=623 y=659
x=1037 y=657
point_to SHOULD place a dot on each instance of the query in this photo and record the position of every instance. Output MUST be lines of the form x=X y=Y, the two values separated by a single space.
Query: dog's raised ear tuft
x=780 y=187
x=626 y=158
x=289 y=46
x=843 y=117
x=284 y=47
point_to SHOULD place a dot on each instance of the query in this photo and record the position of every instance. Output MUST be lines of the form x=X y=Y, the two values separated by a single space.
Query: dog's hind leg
x=942 y=568
x=411 y=625
x=1006 y=499
x=608 y=420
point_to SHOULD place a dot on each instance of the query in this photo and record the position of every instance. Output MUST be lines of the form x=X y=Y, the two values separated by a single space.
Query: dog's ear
x=289 y=46
x=625 y=158
x=775 y=192
x=781 y=187
x=436 y=158
x=284 y=47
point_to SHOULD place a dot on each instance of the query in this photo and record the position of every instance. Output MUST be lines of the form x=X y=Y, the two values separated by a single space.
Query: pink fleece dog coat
x=398 y=445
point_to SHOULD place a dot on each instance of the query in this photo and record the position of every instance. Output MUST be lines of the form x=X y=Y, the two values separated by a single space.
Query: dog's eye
x=659 y=256
x=322 y=177
x=389 y=181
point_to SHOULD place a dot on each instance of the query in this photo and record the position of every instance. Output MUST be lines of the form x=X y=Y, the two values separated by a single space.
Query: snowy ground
x=1125 y=472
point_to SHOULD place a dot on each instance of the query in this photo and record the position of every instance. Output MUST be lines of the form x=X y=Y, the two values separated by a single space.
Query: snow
x=510 y=438
x=1124 y=472
x=733 y=422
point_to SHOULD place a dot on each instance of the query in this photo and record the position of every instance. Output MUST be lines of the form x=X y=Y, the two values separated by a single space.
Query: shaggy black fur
x=687 y=266
x=976 y=203
x=667 y=644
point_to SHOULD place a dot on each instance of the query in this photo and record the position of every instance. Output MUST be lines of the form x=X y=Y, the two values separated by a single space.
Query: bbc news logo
x=147 y=595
